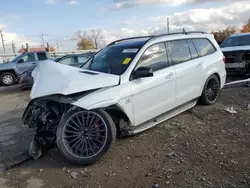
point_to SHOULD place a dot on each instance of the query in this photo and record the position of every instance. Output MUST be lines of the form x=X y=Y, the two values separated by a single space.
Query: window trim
x=195 y=50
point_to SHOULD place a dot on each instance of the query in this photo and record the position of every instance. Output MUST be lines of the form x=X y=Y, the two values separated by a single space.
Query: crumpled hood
x=53 y=78
x=235 y=48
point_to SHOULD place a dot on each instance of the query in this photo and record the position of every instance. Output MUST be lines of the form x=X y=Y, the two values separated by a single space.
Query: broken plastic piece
x=231 y=110
x=35 y=150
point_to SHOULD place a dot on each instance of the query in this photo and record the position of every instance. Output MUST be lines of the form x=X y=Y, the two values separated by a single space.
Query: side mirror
x=143 y=72
x=20 y=61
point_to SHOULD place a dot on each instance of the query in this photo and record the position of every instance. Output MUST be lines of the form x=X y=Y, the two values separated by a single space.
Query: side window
x=82 y=59
x=178 y=51
x=42 y=56
x=193 y=51
x=204 y=46
x=28 y=58
x=154 y=57
x=66 y=61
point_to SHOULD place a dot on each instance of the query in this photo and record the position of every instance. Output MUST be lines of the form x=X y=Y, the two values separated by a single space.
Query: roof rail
x=131 y=38
x=154 y=36
x=183 y=32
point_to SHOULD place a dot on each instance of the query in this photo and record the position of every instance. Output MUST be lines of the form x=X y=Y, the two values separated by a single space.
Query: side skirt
x=165 y=116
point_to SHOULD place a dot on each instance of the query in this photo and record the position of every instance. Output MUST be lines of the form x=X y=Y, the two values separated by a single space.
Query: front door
x=26 y=62
x=155 y=95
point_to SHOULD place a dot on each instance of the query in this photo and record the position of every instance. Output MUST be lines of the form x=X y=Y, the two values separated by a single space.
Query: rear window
x=204 y=46
x=243 y=40
x=42 y=56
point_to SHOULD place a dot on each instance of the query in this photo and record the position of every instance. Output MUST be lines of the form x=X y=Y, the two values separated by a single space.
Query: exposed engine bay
x=44 y=114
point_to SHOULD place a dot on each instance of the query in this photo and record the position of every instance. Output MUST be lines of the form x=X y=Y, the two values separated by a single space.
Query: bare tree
x=96 y=37
x=151 y=31
x=83 y=40
x=221 y=35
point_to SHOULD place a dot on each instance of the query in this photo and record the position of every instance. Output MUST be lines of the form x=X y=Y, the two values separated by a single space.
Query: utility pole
x=57 y=45
x=13 y=48
x=1 y=33
x=168 y=24
x=42 y=35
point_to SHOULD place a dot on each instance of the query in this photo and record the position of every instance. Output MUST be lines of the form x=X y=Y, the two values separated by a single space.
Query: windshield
x=243 y=40
x=112 y=59
x=16 y=58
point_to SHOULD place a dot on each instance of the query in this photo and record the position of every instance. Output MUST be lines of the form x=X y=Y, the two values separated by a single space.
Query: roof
x=136 y=42
x=239 y=34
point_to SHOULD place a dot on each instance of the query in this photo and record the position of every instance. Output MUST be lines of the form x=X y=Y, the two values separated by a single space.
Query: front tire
x=7 y=79
x=210 y=91
x=84 y=136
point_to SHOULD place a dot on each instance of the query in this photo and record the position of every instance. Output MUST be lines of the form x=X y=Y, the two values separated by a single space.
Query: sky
x=58 y=20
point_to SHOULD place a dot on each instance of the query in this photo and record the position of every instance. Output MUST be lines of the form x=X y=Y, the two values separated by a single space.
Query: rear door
x=188 y=67
x=155 y=95
x=26 y=62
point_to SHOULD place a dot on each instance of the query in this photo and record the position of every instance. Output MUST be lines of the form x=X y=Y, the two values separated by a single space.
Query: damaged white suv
x=129 y=86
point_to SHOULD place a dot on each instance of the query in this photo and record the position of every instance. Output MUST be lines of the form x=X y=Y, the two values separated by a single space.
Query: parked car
x=76 y=60
x=10 y=72
x=126 y=88
x=236 y=49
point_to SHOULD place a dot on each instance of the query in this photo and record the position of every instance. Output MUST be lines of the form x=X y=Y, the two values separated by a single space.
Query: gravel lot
x=203 y=147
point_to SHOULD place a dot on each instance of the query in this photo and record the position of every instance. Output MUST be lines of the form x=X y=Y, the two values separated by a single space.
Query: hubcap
x=84 y=134
x=7 y=79
x=212 y=89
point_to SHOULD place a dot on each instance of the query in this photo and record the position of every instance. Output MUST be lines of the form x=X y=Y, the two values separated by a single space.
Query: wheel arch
x=210 y=73
x=9 y=70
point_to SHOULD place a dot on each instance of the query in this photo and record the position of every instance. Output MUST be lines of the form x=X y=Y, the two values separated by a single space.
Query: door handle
x=169 y=75
x=199 y=65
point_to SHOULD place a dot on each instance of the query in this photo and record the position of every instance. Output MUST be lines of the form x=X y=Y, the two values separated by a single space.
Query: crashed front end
x=56 y=88
x=237 y=61
x=43 y=115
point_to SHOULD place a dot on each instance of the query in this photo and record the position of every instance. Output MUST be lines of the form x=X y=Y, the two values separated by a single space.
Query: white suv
x=129 y=86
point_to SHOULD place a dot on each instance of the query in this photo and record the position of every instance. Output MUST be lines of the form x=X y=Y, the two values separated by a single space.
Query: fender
x=119 y=95
x=208 y=74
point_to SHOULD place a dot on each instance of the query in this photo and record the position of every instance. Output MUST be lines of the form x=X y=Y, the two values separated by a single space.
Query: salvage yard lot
x=203 y=147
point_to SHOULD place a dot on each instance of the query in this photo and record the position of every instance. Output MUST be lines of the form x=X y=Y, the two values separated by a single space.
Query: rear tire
x=85 y=136
x=7 y=79
x=210 y=91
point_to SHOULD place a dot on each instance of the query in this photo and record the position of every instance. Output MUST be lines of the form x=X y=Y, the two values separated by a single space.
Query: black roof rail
x=131 y=38
x=183 y=32
x=154 y=36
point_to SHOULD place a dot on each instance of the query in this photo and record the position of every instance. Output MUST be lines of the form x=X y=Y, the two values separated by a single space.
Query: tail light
x=224 y=59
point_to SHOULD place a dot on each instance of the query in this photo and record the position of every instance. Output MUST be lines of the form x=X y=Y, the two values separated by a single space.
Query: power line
x=1 y=33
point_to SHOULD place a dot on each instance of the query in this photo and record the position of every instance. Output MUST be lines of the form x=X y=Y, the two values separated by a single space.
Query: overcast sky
x=24 y=21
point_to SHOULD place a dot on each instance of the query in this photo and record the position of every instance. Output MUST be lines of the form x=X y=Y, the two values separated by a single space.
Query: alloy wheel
x=212 y=89
x=84 y=134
